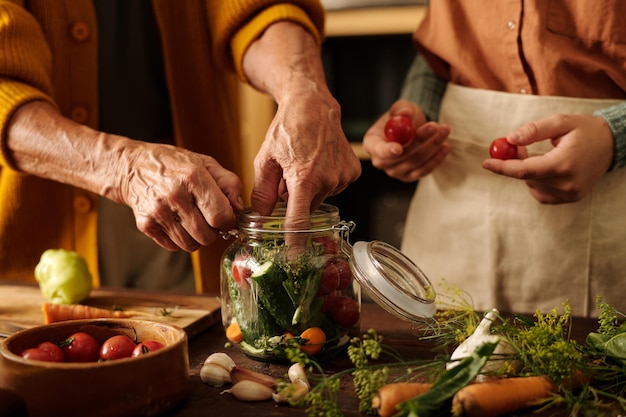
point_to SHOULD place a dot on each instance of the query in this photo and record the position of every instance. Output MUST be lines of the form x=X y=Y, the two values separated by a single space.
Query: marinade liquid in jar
x=290 y=284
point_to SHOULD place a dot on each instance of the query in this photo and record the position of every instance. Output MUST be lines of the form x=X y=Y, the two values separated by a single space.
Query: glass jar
x=283 y=285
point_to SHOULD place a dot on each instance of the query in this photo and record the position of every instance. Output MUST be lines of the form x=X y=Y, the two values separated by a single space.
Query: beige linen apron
x=487 y=235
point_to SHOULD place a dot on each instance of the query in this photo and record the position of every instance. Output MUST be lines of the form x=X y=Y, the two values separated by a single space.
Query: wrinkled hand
x=582 y=153
x=305 y=156
x=180 y=199
x=418 y=159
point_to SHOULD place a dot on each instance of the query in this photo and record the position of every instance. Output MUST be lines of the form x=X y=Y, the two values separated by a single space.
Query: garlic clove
x=214 y=375
x=296 y=373
x=247 y=390
x=221 y=359
x=239 y=373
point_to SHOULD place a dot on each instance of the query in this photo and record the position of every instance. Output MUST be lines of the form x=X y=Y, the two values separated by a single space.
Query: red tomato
x=330 y=244
x=80 y=347
x=43 y=354
x=54 y=350
x=400 y=129
x=241 y=271
x=501 y=149
x=146 y=346
x=344 y=272
x=330 y=279
x=344 y=311
x=117 y=347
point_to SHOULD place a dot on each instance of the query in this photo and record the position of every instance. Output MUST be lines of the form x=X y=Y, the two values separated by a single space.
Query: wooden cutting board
x=20 y=305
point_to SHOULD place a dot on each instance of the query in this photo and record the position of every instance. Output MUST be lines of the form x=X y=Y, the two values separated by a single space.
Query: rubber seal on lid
x=393 y=281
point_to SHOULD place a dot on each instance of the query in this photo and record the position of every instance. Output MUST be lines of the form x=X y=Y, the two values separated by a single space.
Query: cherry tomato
x=400 y=129
x=330 y=279
x=330 y=245
x=117 y=347
x=345 y=274
x=146 y=346
x=80 y=347
x=44 y=352
x=241 y=271
x=501 y=149
x=55 y=351
x=344 y=311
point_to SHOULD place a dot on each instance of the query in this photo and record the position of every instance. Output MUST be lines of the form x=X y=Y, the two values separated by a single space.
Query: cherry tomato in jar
x=501 y=149
x=80 y=347
x=336 y=276
x=330 y=244
x=344 y=311
x=146 y=346
x=345 y=274
x=117 y=347
x=242 y=271
x=45 y=351
x=330 y=279
x=400 y=129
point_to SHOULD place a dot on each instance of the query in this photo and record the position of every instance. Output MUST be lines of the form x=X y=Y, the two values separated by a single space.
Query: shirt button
x=82 y=204
x=511 y=25
x=79 y=114
x=80 y=31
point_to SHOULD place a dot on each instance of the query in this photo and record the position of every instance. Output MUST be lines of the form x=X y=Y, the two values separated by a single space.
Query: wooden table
x=206 y=400
x=205 y=339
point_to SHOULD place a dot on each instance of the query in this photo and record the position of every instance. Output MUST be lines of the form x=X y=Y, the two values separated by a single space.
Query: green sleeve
x=615 y=116
x=423 y=87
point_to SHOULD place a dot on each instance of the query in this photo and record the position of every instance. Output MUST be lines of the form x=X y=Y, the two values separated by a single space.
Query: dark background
x=365 y=74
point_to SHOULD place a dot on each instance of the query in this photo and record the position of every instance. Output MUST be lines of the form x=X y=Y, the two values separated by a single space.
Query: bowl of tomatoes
x=97 y=367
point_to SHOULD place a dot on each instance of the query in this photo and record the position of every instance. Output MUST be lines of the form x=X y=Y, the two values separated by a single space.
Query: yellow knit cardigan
x=49 y=52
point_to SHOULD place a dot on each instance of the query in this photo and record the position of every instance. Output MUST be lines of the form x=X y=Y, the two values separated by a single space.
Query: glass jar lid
x=393 y=281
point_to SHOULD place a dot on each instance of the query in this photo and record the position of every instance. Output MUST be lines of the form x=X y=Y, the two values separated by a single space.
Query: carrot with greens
x=390 y=395
x=438 y=398
x=501 y=396
x=62 y=312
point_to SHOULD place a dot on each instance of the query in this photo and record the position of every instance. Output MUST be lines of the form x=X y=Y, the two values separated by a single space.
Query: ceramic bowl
x=147 y=385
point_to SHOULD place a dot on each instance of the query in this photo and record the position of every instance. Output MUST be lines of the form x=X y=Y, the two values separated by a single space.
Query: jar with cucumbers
x=290 y=285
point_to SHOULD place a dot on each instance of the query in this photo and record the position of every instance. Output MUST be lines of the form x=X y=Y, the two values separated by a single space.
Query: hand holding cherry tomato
x=400 y=129
x=501 y=149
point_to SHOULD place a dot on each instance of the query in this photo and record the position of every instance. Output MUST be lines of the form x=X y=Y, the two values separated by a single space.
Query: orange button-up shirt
x=573 y=48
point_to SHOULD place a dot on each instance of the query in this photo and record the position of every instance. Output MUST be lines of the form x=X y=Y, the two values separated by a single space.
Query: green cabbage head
x=63 y=276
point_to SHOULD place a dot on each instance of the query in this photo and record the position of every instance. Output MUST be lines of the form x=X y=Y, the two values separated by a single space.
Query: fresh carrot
x=392 y=394
x=62 y=312
x=314 y=339
x=497 y=397
x=234 y=333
